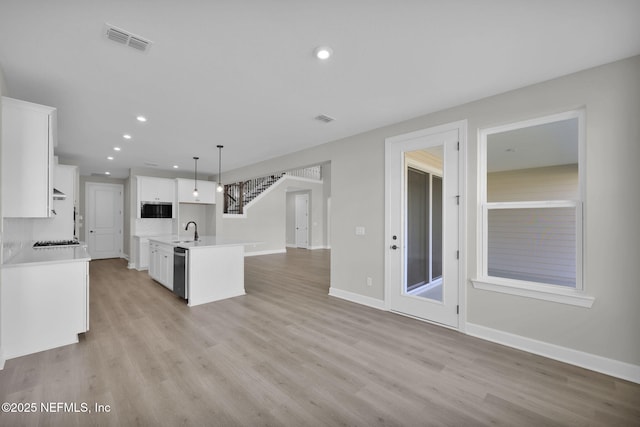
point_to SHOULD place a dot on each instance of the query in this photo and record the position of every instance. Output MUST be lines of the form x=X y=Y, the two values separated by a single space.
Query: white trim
x=291 y=245
x=357 y=298
x=313 y=248
x=87 y=188
x=269 y=252
x=607 y=366
x=554 y=293
x=462 y=127
x=131 y=266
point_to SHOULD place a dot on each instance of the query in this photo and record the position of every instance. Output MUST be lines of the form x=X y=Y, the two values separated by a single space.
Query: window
x=531 y=209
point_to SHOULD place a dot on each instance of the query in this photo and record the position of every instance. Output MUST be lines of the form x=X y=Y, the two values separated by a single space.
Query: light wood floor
x=287 y=354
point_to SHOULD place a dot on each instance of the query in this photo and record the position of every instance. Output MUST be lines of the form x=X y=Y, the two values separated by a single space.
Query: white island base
x=215 y=273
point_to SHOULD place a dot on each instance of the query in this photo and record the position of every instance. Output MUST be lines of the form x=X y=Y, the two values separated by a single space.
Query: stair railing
x=238 y=194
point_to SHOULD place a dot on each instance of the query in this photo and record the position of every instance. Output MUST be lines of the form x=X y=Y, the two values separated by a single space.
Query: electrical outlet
x=369 y=281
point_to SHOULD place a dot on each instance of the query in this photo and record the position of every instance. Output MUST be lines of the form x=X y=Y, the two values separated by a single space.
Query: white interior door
x=103 y=210
x=422 y=224
x=302 y=220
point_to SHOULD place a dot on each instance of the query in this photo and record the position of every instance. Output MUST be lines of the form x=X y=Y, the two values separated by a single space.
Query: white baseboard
x=357 y=298
x=604 y=365
x=291 y=245
x=317 y=247
x=131 y=266
x=256 y=253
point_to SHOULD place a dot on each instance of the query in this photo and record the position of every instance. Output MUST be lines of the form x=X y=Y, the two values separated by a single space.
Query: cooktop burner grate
x=55 y=243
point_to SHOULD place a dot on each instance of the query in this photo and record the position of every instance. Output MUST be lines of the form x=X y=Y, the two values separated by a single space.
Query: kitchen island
x=214 y=267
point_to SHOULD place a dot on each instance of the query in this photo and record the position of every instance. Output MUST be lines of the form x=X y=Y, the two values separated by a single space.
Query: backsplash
x=152 y=227
x=18 y=233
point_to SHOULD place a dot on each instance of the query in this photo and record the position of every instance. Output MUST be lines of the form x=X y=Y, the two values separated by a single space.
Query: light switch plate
x=359 y=231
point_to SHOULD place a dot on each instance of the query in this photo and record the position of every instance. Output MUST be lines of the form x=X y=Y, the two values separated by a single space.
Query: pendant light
x=220 y=186
x=195 y=180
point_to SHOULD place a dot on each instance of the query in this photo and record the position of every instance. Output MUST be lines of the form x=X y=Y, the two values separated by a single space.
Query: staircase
x=239 y=194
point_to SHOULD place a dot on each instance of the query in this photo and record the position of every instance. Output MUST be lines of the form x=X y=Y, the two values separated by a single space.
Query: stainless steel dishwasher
x=180 y=271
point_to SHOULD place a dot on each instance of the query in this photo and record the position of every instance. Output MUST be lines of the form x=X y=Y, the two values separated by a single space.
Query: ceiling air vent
x=151 y=164
x=121 y=36
x=324 y=118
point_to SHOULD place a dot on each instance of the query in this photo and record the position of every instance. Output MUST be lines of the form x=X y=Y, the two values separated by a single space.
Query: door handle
x=91 y=231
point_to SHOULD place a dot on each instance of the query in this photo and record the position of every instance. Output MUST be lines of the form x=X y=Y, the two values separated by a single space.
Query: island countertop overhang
x=202 y=243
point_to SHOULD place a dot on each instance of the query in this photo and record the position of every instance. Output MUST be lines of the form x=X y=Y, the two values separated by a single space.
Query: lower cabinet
x=161 y=263
x=43 y=306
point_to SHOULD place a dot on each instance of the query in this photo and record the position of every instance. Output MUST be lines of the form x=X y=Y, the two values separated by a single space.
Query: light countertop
x=203 y=241
x=50 y=255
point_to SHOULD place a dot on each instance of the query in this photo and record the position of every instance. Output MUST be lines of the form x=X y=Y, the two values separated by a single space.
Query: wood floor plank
x=288 y=354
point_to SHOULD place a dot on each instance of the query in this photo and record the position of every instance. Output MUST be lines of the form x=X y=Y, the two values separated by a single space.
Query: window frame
x=549 y=292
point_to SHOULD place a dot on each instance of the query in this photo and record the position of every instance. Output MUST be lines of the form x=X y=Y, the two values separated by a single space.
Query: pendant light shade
x=195 y=178
x=220 y=186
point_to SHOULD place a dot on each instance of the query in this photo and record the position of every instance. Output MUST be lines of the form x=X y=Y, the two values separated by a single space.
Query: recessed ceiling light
x=107 y=173
x=126 y=136
x=323 y=52
x=110 y=158
x=116 y=148
x=141 y=118
x=175 y=166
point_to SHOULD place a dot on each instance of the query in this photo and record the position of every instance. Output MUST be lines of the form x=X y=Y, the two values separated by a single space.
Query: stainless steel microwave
x=156 y=210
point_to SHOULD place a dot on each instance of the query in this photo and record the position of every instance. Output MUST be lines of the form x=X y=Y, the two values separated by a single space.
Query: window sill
x=541 y=292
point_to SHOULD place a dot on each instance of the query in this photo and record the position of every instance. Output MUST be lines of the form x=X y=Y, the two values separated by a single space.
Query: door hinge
x=457 y=309
x=457 y=254
x=458 y=146
x=457 y=200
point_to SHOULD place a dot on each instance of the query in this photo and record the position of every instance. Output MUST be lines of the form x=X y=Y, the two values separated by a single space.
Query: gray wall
x=611 y=96
x=3 y=91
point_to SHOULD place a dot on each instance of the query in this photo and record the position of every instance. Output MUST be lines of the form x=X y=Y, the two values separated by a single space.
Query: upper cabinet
x=152 y=189
x=28 y=140
x=158 y=191
x=206 y=191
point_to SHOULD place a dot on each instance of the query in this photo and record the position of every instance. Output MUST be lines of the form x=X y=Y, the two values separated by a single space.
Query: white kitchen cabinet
x=206 y=191
x=28 y=139
x=43 y=306
x=161 y=263
x=151 y=189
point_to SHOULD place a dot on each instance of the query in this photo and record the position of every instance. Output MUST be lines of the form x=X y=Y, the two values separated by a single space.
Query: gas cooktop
x=55 y=244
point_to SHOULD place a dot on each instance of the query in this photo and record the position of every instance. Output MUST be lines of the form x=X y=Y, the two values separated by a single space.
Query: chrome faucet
x=195 y=234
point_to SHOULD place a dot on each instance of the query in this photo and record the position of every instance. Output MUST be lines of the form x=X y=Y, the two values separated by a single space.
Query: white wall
x=611 y=96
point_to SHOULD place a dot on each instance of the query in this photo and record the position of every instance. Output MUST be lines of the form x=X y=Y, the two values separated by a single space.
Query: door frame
x=461 y=127
x=120 y=188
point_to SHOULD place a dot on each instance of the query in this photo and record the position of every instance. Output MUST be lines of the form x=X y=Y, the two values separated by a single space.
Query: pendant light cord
x=220 y=187
x=195 y=188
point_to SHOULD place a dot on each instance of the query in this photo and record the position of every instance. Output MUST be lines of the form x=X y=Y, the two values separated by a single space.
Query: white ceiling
x=242 y=73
